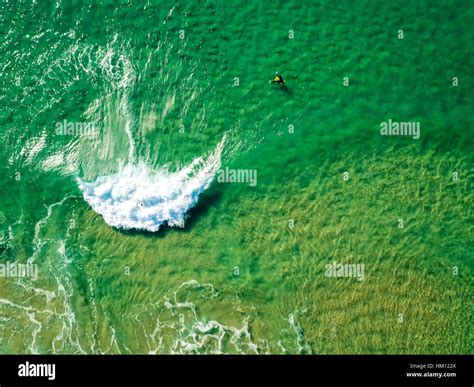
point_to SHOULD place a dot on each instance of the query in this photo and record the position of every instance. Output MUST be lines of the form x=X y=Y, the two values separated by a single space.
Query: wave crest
x=137 y=198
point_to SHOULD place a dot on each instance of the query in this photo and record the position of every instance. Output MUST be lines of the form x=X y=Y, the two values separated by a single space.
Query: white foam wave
x=138 y=198
x=180 y=318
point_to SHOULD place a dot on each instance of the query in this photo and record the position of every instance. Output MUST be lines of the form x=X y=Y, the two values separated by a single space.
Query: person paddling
x=278 y=79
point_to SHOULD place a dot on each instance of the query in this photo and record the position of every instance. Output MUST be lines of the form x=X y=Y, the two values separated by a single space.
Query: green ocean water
x=163 y=83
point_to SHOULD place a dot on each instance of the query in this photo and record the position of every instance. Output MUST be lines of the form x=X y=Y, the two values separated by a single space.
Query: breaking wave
x=138 y=198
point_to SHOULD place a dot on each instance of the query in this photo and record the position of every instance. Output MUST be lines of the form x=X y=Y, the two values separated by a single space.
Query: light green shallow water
x=238 y=278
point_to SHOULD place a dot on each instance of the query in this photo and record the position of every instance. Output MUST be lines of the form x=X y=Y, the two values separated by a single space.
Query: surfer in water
x=278 y=79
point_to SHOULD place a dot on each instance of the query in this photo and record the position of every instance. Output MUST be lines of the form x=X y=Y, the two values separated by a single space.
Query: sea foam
x=138 y=198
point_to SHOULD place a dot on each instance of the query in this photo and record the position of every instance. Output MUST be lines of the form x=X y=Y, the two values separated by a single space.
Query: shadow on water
x=284 y=88
x=287 y=90
x=207 y=200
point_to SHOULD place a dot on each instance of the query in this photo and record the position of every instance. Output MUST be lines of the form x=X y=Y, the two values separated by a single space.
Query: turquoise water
x=140 y=248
